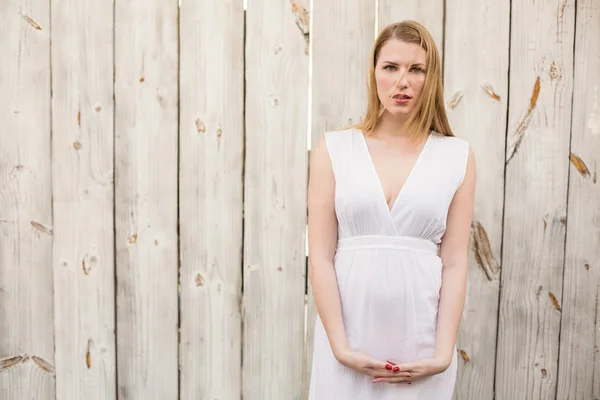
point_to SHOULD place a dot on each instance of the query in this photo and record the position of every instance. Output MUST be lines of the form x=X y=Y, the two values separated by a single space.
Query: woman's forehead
x=400 y=52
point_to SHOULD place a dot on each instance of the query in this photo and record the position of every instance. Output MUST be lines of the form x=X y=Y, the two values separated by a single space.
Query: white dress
x=388 y=267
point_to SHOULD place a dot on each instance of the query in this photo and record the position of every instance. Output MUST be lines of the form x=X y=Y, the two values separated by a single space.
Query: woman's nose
x=402 y=80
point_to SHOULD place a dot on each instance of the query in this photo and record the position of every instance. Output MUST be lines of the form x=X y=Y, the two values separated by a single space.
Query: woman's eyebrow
x=417 y=64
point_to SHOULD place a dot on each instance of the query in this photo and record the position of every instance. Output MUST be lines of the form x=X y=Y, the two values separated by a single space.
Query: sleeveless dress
x=388 y=268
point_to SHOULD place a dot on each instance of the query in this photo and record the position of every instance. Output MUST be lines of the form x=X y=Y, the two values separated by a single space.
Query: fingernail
x=388 y=367
x=396 y=369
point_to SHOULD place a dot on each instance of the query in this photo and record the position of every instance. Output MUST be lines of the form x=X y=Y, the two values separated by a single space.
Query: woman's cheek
x=384 y=86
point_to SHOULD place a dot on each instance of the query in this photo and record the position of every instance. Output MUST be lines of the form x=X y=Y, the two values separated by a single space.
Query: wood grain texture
x=430 y=13
x=26 y=295
x=275 y=198
x=146 y=128
x=210 y=195
x=541 y=75
x=82 y=177
x=480 y=80
x=343 y=36
x=579 y=361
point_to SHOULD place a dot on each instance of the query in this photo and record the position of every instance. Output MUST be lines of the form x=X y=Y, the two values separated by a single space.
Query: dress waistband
x=387 y=242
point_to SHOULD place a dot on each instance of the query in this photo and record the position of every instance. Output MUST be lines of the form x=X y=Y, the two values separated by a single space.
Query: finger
x=382 y=369
x=391 y=375
x=395 y=379
x=382 y=374
x=381 y=366
x=395 y=366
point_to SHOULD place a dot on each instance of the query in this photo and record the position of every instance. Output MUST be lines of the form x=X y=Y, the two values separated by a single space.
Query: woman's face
x=400 y=76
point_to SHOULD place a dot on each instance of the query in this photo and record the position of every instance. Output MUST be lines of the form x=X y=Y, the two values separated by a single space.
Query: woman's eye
x=418 y=69
x=390 y=68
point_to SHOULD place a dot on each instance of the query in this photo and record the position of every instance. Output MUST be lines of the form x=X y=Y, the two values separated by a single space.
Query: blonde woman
x=390 y=206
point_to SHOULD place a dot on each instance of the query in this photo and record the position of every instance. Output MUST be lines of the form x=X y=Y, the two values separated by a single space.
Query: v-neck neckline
x=390 y=209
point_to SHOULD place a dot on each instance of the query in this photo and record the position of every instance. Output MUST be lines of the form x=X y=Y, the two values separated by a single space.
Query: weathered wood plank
x=146 y=69
x=82 y=177
x=541 y=75
x=579 y=362
x=211 y=204
x=477 y=103
x=26 y=295
x=430 y=13
x=342 y=36
x=275 y=198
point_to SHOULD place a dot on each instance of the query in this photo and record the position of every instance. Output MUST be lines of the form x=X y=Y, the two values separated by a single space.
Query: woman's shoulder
x=450 y=140
x=329 y=139
x=452 y=143
x=453 y=148
x=335 y=138
x=339 y=134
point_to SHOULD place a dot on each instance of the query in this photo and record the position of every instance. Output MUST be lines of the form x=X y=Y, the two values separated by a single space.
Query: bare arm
x=322 y=242
x=454 y=254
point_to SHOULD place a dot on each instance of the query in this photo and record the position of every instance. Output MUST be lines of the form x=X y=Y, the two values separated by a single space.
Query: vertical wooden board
x=275 y=198
x=211 y=162
x=82 y=177
x=26 y=295
x=537 y=154
x=342 y=36
x=146 y=129
x=430 y=13
x=579 y=364
x=476 y=86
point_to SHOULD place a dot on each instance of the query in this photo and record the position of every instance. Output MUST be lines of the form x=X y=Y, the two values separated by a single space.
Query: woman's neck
x=393 y=127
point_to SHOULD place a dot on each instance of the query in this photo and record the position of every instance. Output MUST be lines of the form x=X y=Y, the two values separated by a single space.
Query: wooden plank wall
x=275 y=199
x=537 y=165
x=211 y=142
x=83 y=199
x=153 y=173
x=146 y=155
x=476 y=90
x=579 y=361
x=26 y=289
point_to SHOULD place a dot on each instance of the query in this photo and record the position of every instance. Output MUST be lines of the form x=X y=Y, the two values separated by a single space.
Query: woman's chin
x=398 y=112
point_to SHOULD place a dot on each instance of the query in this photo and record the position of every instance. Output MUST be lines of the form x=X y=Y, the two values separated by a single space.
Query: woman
x=390 y=206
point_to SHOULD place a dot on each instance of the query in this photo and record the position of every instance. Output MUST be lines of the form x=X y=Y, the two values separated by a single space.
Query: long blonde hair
x=430 y=112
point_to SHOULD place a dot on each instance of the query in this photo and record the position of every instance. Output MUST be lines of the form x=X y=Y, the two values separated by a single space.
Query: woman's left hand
x=418 y=369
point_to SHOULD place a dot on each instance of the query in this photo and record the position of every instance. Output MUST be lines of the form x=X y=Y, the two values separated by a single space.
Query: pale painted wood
x=211 y=197
x=26 y=296
x=82 y=178
x=146 y=129
x=579 y=361
x=340 y=102
x=476 y=86
x=541 y=74
x=430 y=13
x=275 y=198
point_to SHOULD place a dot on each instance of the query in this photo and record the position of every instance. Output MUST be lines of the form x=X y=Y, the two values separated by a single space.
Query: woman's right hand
x=366 y=365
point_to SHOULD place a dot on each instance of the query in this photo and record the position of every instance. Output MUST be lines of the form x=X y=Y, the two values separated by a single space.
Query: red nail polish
x=396 y=369
x=388 y=367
